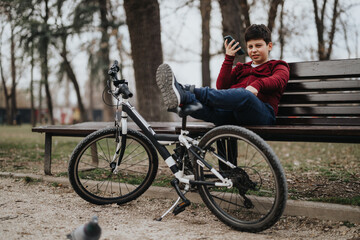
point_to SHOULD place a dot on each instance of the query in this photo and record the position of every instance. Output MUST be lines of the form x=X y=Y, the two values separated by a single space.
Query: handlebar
x=121 y=85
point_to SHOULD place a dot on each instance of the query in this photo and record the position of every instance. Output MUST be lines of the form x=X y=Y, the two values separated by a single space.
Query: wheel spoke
x=246 y=205
x=98 y=182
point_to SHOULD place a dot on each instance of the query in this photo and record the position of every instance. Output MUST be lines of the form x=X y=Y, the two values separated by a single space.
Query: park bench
x=321 y=104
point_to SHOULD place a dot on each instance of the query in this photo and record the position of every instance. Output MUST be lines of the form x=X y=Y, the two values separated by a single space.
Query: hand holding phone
x=229 y=39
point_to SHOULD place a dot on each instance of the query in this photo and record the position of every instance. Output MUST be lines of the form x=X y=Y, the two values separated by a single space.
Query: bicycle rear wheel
x=258 y=196
x=91 y=167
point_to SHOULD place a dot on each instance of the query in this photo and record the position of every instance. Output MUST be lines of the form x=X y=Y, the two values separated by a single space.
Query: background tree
x=282 y=31
x=62 y=33
x=32 y=98
x=273 y=9
x=84 y=20
x=43 y=49
x=66 y=66
x=143 y=20
x=205 y=10
x=233 y=23
x=94 y=69
x=325 y=43
x=8 y=8
x=104 y=56
x=7 y=95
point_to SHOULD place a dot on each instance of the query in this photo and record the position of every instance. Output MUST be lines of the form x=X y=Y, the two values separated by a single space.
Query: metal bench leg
x=47 y=156
x=228 y=150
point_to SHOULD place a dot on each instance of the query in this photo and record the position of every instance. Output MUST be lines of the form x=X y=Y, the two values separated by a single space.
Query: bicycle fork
x=121 y=143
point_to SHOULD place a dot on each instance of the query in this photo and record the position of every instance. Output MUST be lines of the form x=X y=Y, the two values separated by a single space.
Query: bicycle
x=236 y=173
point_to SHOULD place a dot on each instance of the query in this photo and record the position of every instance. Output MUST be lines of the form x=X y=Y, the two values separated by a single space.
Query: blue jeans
x=235 y=106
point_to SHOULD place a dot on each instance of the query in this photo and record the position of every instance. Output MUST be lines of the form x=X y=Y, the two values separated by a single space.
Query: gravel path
x=42 y=210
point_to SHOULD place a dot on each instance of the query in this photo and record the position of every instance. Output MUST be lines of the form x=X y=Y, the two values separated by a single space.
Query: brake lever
x=114 y=69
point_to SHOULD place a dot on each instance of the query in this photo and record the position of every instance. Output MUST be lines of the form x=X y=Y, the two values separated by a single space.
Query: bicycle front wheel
x=92 y=165
x=258 y=196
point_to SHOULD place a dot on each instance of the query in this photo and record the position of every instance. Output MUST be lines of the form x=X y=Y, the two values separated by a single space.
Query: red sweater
x=269 y=79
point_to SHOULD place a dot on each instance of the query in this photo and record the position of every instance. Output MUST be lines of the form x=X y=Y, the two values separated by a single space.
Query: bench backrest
x=322 y=93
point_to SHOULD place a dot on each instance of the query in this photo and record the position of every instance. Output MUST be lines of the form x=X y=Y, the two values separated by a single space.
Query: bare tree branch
x=273 y=12
x=244 y=6
x=333 y=28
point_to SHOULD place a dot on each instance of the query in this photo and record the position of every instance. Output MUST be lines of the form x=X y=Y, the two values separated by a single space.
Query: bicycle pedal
x=181 y=207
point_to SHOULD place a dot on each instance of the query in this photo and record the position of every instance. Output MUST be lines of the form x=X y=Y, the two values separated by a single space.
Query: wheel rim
x=98 y=180
x=263 y=197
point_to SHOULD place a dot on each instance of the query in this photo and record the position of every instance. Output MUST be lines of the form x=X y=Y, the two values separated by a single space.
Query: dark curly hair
x=258 y=31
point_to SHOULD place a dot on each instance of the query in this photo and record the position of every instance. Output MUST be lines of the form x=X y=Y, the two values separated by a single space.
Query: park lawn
x=23 y=151
x=328 y=172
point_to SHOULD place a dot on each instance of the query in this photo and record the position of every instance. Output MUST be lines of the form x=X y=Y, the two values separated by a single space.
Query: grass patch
x=336 y=174
x=62 y=174
x=29 y=180
x=348 y=224
x=55 y=184
x=339 y=200
x=311 y=168
x=22 y=150
x=163 y=181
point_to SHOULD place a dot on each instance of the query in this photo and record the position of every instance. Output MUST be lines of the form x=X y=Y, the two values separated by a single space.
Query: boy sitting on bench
x=247 y=94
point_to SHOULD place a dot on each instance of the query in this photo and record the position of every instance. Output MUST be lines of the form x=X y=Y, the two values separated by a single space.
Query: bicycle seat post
x=183 y=125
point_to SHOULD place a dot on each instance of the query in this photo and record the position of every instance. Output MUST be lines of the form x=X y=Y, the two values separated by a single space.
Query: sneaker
x=172 y=92
x=187 y=109
x=190 y=88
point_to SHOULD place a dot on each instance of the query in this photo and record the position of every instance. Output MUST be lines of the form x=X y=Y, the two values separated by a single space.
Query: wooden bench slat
x=328 y=98
x=85 y=128
x=325 y=69
x=349 y=134
x=334 y=121
x=319 y=111
x=347 y=85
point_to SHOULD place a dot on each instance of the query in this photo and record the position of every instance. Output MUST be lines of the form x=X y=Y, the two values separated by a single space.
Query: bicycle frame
x=160 y=140
x=236 y=158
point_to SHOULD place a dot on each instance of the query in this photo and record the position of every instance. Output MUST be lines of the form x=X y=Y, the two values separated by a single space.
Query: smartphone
x=229 y=39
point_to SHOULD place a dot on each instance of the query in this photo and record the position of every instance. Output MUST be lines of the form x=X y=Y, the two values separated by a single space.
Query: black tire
x=259 y=177
x=97 y=183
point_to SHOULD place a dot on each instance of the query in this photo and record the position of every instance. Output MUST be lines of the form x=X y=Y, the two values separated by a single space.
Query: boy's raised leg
x=171 y=91
x=174 y=94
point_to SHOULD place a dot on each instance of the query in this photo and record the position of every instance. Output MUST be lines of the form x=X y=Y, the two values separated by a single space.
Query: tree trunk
x=13 y=77
x=333 y=28
x=7 y=98
x=119 y=46
x=40 y=117
x=273 y=13
x=233 y=24
x=72 y=77
x=33 y=117
x=320 y=30
x=143 y=20
x=205 y=9
x=324 y=52
x=245 y=12
x=282 y=31
x=91 y=97
x=44 y=65
x=104 y=59
x=6 y=93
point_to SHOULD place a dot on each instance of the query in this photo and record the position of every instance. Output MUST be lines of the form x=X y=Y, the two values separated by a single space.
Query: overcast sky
x=181 y=41
x=181 y=36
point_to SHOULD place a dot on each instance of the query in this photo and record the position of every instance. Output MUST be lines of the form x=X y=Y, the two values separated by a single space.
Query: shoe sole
x=166 y=82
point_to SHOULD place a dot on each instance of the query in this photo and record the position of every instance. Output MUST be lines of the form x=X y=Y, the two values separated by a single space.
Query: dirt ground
x=41 y=210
